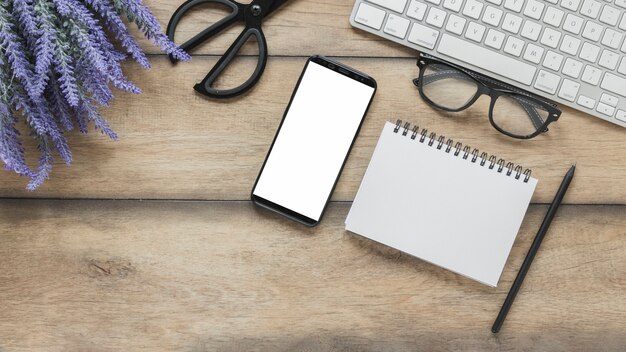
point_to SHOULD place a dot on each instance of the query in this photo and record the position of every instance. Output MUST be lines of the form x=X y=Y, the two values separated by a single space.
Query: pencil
x=554 y=206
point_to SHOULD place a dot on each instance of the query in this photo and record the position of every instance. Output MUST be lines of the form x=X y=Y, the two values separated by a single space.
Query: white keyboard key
x=614 y=84
x=512 y=23
x=494 y=39
x=624 y=46
x=622 y=67
x=612 y=38
x=572 y=68
x=475 y=32
x=497 y=2
x=498 y=63
x=605 y=109
x=514 y=5
x=589 y=52
x=423 y=36
x=622 y=24
x=570 y=45
x=592 y=31
x=553 y=1
x=534 y=9
x=610 y=15
x=492 y=16
x=571 y=4
x=370 y=16
x=395 y=5
x=396 y=26
x=553 y=16
x=456 y=24
x=569 y=90
x=553 y=61
x=621 y=115
x=473 y=9
x=550 y=37
x=573 y=24
x=591 y=75
x=533 y=53
x=609 y=99
x=514 y=46
x=453 y=5
x=621 y=3
x=531 y=30
x=608 y=59
x=586 y=102
x=417 y=10
x=436 y=2
x=547 y=82
x=591 y=8
x=436 y=17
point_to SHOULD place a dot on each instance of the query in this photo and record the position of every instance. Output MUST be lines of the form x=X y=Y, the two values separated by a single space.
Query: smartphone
x=314 y=139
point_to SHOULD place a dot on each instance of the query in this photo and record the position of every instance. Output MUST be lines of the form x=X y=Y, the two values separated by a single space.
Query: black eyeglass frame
x=487 y=86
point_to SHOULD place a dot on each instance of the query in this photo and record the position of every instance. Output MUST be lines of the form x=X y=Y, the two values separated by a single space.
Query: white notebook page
x=439 y=207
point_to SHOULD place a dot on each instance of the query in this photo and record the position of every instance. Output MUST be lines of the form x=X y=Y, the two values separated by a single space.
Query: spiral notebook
x=448 y=204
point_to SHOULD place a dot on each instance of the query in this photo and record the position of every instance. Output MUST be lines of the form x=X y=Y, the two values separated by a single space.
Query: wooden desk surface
x=198 y=268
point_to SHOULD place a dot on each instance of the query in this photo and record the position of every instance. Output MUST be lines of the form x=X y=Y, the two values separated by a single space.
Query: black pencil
x=558 y=198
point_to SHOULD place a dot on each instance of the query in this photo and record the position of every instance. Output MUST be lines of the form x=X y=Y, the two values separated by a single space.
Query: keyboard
x=572 y=52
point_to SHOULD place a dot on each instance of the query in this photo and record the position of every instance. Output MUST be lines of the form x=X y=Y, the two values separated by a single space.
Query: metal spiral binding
x=484 y=159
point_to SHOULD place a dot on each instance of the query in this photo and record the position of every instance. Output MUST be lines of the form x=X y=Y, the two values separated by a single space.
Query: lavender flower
x=12 y=46
x=45 y=165
x=114 y=22
x=137 y=12
x=57 y=64
x=23 y=10
x=44 y=44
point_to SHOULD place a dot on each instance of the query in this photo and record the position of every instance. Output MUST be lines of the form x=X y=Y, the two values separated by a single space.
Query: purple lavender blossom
x=57 y=64
x=24 y=11
x=45 y=165
x=44 y=43
x=137 y=12
x=12 y=45
x=114 y=22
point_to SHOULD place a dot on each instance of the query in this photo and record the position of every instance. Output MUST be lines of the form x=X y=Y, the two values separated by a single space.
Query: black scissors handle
x=235 y=15
x=206 y=86
x=252 y=15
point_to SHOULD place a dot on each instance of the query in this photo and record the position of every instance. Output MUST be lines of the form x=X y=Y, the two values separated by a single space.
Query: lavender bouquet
x=59 y=60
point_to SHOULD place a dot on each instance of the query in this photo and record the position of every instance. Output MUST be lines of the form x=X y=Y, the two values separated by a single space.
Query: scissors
x=251 y=15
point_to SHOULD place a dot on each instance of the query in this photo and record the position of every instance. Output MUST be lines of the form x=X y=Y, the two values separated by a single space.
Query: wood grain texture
x=176 y=144
x=299 y=28
x=181 y=276
x=224 y=276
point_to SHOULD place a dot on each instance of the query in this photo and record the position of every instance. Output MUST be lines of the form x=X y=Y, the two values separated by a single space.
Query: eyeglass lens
x=518 y=115
x=448 y=87
x=452 y=89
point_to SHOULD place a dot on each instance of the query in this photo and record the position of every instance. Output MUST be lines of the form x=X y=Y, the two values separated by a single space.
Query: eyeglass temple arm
x=532 y=113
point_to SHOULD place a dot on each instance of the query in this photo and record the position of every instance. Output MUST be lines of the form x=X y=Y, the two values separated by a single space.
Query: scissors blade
x=273 y=5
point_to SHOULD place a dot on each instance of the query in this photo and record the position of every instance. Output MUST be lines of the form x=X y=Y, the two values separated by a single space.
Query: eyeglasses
x=512 y=112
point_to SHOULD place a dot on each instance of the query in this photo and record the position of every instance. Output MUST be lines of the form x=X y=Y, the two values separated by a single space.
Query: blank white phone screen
x=313 y=141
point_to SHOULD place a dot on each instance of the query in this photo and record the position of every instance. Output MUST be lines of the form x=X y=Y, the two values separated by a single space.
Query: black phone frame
x=346 y=71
